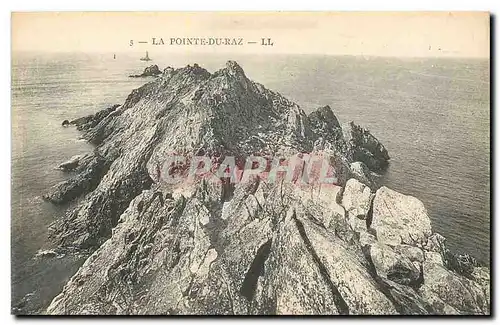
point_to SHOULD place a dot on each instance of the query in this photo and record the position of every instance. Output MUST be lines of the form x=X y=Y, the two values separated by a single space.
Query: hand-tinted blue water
x=432 y=114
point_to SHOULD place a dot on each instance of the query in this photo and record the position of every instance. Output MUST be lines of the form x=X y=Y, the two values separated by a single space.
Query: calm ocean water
x=433 y=116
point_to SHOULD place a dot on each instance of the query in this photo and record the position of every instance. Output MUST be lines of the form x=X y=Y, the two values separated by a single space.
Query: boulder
x=399 y=219
x=46 y=253
x=443 y=289
x=70 y=164
x=463 y=264
x=433 y=257
x=439 y=306
x=347 y=272
x=358 y=225
x=168 y=71
x=357 y=199
x=82 y=120
x=405 y=298
x=366 y=239
x=393 y=266
x=413 y=253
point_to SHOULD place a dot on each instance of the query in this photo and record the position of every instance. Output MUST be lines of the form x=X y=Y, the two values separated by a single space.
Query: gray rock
x=463 y=264
x=413 y=253
x=357 y=199
x=168 y=71
x=435 y=243
x=325 y=125
x=481 y=275
x=348 y=273
x=323 y=117
x=393 y=266
x=399 y=219
x=229 y=115
x=293 y=283
x=365 y=147
x=433 y=257
x=92 y=120
x=444 y=289
x=439 y=306
x=46 y=253
x=90 y=170
x=405 y=299
x=206 y=247
x=356 y=224
x=366 y=239
x=362 y=173
x=70 y=164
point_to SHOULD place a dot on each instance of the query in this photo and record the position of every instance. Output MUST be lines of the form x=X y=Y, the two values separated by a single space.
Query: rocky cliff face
x=253 y=248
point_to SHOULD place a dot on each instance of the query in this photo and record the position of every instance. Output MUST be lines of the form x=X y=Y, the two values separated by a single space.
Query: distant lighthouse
x=146 y=58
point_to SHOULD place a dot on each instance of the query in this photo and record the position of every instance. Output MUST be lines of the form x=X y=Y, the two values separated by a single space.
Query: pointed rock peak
x=234 y=68
x=326 y=109
x=325 y=114
x=199 y=70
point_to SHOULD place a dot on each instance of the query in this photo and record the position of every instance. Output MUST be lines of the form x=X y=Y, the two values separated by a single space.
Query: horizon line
x=255 y=53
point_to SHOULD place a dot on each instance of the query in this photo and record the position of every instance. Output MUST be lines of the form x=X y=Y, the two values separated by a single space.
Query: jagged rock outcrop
x=450 y=293
x=70 y=164
x=256 y=247
x=151 y=71
x=186 y=111
x=364 y=147
x=392 y=265
x=90 y=121
x=90 y=169
x=324 y=123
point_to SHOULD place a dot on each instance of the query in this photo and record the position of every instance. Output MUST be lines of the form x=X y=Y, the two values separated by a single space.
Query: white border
x=254 y=5
x=185 y=5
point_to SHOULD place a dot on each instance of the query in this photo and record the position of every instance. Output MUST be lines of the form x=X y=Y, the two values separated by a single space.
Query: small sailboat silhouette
x=146 y=58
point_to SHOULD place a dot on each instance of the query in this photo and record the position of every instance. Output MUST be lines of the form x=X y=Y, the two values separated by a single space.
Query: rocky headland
x=251 y=248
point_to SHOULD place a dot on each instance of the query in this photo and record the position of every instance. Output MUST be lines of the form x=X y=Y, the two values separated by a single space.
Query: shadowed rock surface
x=364 y=147
x=252 y=248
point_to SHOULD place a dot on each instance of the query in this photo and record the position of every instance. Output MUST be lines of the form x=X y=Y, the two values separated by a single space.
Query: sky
x=400 y=34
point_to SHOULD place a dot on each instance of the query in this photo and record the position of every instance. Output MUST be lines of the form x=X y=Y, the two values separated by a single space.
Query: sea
x=432 y=114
